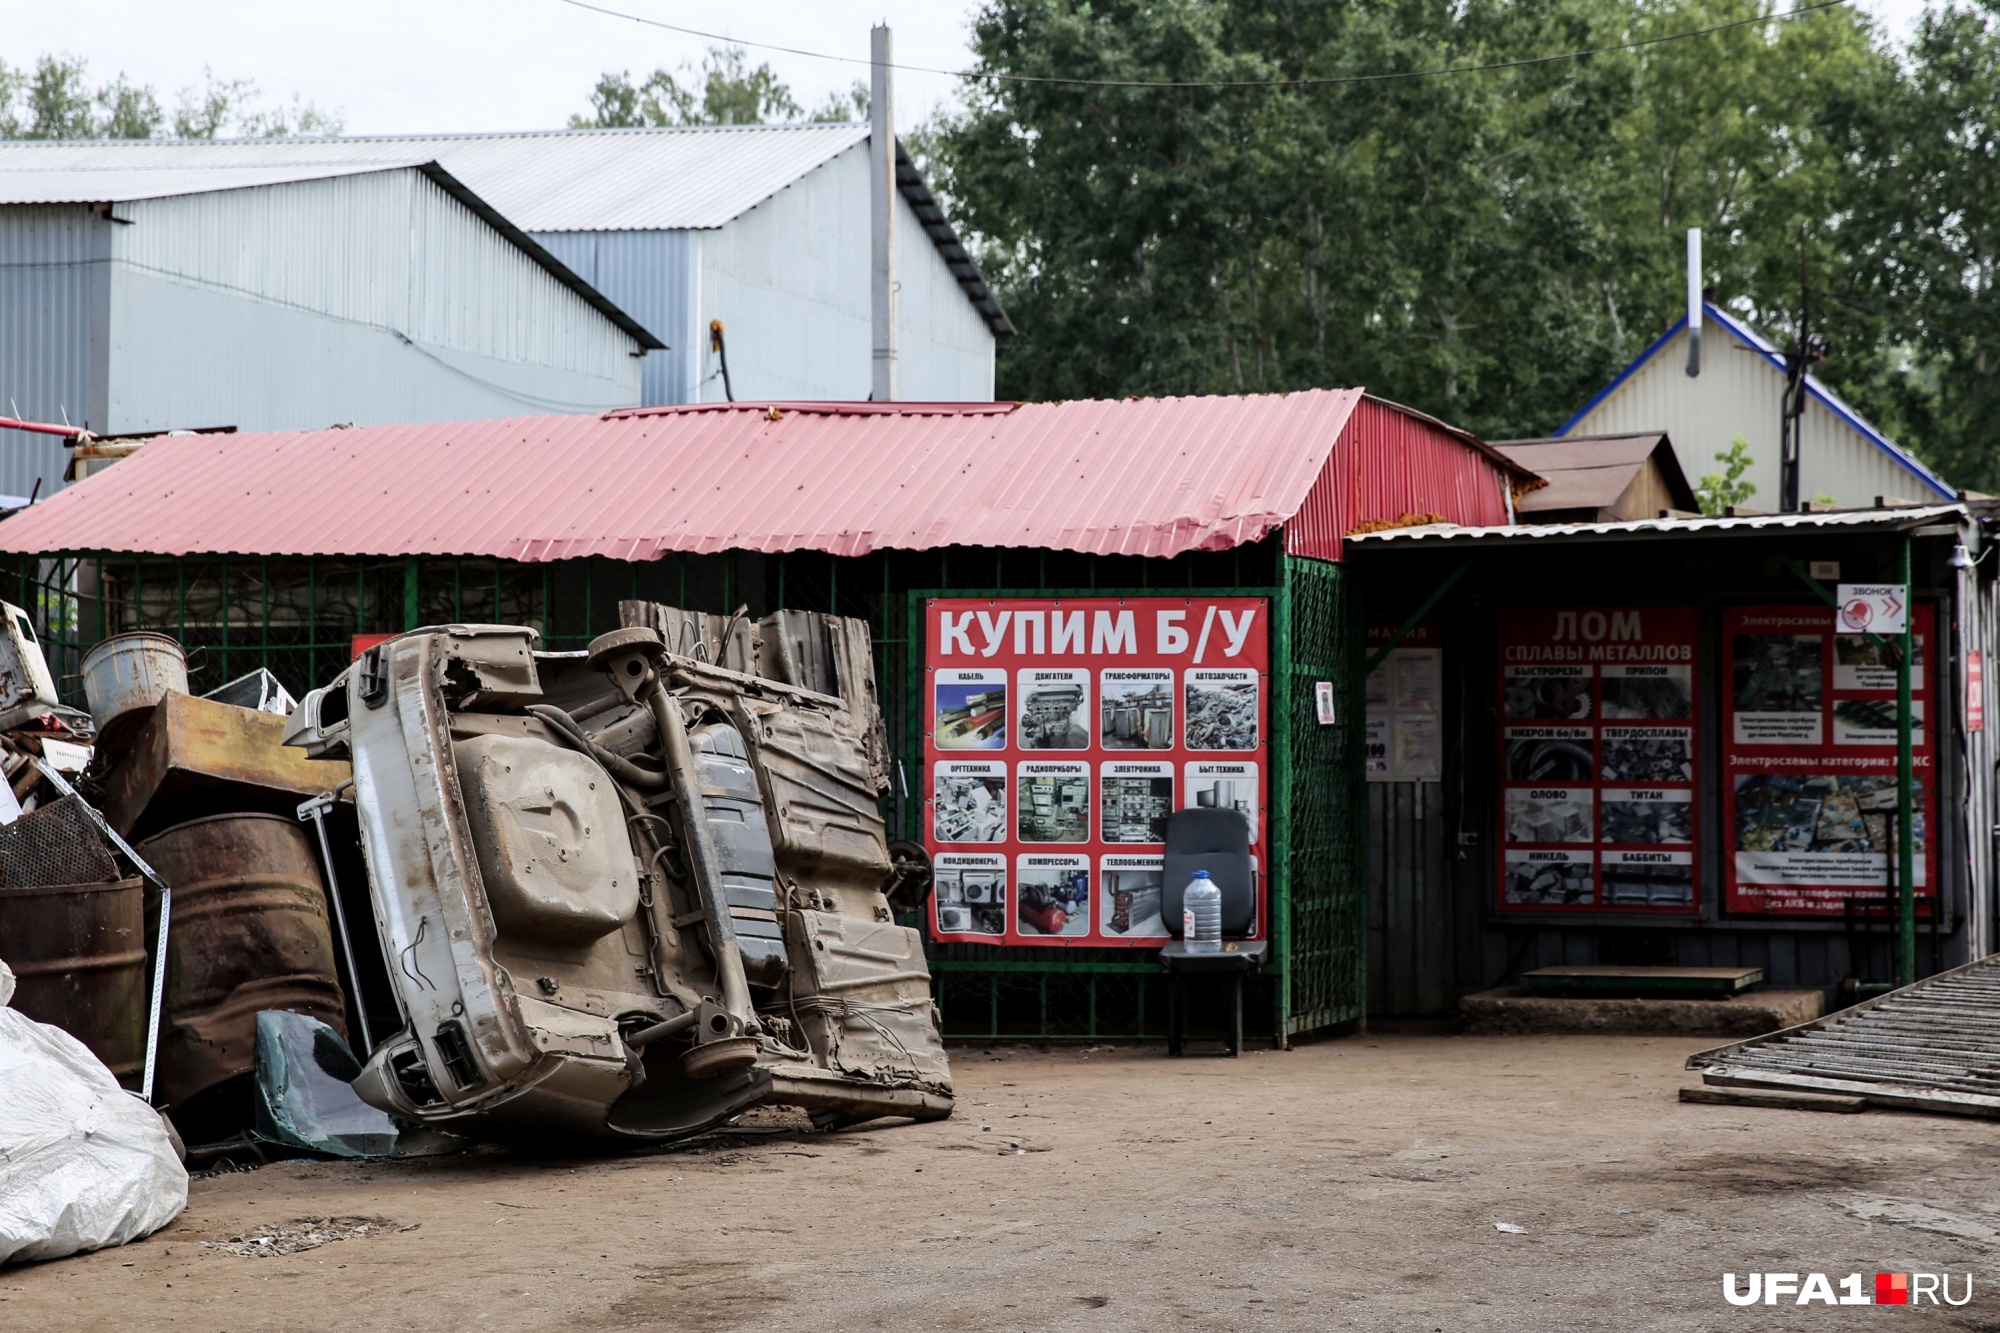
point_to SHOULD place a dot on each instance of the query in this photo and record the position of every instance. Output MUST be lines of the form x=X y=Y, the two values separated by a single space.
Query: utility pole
x=1694 y=302
x=1806 y=352
x=882 y=215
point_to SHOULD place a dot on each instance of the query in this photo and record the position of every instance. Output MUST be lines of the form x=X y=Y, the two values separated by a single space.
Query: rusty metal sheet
x=196 y=756
x=78 y=952
x=250 y=932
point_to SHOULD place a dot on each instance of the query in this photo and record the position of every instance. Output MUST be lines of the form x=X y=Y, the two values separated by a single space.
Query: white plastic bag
x=83 y=1163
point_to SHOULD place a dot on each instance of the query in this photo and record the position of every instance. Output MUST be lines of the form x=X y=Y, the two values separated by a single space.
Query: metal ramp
x=1933 y=1046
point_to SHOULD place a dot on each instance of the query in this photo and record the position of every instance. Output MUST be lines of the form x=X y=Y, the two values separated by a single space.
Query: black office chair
x=1217 y=841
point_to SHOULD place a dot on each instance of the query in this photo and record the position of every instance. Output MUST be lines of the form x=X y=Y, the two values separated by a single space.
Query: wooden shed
x=1601 y=478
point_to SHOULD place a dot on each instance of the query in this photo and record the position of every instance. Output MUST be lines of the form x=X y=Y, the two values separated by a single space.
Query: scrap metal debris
x=1932 y=1046
x=305 y=1233
x=630 y=893
x=1223 y=718
x=625 y=894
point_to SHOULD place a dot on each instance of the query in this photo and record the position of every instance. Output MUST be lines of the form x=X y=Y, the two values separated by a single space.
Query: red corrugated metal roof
x=1394 y=464
x=1151 y=477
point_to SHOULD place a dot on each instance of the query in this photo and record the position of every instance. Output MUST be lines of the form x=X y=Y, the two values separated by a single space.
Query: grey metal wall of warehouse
x=54 y=289
x=789 y=280
x=653 y=276
x=368 y=298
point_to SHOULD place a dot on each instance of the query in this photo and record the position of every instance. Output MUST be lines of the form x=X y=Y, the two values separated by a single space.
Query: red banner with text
x=1598 y=759
x=1058 y=735
x=1809 y=784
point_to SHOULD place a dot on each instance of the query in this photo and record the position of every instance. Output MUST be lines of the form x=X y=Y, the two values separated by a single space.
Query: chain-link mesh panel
x=1324 y=851
x=56 y=844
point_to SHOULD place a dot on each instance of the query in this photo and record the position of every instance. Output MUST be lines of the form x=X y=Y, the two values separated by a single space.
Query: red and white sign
x=1878 y=608
x=1975 y=691
x=1059 y=733
x=1809 y=770
x=1598 y=758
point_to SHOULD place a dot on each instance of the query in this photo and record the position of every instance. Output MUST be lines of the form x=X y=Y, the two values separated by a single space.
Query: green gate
x=1322 y=927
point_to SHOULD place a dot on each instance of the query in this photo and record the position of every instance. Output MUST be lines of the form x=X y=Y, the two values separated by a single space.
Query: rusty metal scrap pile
x=1222 y=719
x=616 y=896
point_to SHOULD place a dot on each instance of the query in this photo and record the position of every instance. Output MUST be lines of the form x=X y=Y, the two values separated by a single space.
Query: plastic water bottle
x=1201 y=915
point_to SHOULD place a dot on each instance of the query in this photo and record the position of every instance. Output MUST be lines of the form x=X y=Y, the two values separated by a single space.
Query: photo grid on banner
x=1598 y=757
x=1059 y=734
x=1809 y=750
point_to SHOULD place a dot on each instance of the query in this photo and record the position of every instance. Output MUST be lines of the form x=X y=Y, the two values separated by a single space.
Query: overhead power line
x=990 y=77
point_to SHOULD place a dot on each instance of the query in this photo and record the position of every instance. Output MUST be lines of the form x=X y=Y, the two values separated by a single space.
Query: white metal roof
x=1905 y=516
x=679 y=178
x=24 y=180
x=121 y=176
x=551 y=180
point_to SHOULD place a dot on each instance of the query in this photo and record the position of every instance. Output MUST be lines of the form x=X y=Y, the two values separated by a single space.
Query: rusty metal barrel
x=249 y=932
x=78 y=952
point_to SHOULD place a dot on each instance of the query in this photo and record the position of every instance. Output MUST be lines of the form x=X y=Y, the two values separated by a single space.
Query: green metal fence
x=1323 y=931
x=298 y=617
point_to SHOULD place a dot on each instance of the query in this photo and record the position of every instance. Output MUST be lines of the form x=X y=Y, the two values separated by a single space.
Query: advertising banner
x=1059 y=733
x=1598 y=759
x=1809 y=760
x=1405 y=741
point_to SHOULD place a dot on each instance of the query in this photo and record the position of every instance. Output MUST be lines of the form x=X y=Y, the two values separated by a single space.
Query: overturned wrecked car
x=624 y=893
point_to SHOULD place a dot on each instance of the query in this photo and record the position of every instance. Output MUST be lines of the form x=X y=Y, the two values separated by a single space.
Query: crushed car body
x=624 y=893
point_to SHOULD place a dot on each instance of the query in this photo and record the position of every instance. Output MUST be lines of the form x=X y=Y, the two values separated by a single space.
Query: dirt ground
x=1345 y=1184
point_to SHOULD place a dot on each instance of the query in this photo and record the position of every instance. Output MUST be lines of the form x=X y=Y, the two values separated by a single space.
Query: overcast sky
x=426 y=66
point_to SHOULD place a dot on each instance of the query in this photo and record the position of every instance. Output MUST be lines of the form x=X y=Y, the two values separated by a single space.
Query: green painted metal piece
x=1279 y=843
x=1423 y=609
x=1906 y=770
x=1323 y=852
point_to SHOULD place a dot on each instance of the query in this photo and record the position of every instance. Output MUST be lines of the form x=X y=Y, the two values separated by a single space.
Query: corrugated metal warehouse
x=1740 y=391
x=865 y=510
x=163 y=293
x=764 y=227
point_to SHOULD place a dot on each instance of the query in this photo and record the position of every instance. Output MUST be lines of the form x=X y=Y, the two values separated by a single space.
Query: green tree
x=851 y=105
x=127 y=111
x=1717 y=492
x=1489 y=246
x=1920 y=291
x=55 y=101
x=725 y=90
x=59 y=104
